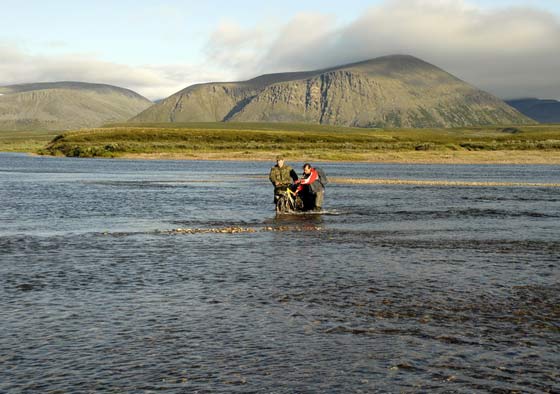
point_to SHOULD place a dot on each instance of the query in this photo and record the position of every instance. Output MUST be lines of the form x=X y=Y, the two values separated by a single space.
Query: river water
x=396 y=288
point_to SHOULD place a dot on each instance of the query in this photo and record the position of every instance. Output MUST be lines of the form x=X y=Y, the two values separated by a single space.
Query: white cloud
x=508 y=51
x=152 y=81
x=234 y=48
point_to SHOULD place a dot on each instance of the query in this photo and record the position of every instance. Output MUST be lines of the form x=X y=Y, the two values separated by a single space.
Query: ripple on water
x=404 y=289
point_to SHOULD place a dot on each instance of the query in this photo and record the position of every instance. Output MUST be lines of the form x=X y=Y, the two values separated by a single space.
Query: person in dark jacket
x=281 y=176
x=313 y=185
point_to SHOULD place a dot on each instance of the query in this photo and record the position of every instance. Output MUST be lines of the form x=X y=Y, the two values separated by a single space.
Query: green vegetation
x=24 y=141
x=256 y=140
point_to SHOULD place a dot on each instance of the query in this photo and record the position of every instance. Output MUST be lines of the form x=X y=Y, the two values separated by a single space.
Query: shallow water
x=397 y=288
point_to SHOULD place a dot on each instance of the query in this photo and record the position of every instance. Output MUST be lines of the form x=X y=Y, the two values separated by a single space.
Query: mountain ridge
x=66 y=105
x=390 y=91
x=75 y=85
x=542 y=110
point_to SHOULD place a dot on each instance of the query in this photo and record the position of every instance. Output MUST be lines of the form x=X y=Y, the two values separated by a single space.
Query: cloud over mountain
x=509 y=51
x=152 y=81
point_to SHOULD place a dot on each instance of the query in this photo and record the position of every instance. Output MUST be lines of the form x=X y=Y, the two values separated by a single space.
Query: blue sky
x=140 y=32
x=158 y=47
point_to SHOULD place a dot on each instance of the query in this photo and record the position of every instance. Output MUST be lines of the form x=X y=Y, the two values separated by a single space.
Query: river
x=395 y=288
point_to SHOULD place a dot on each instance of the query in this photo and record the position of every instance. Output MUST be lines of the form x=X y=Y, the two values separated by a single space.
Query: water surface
x=398 y=288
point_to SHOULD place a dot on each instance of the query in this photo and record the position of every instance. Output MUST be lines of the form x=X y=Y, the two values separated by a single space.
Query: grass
x=25 y=141
x=310 y=142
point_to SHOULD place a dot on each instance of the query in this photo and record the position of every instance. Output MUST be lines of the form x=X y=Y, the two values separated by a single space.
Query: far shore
x=456 y=157
x=524 y=157
x=526 y=144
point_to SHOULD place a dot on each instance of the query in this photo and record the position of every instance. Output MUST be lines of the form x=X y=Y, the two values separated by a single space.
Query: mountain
x=543 y=111
x=390 y=91
x=66 y=105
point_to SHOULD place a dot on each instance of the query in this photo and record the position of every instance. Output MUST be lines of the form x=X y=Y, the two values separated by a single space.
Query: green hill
x=391 y=91
x=66 y=105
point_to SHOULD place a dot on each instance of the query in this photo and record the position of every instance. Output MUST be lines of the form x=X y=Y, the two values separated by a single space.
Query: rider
x=312 y=182
x=281 y=176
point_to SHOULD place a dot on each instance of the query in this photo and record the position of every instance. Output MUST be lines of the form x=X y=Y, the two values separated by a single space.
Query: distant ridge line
x=389 y=91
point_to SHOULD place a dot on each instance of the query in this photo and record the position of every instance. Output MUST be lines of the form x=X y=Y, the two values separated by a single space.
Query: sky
x=510 y=48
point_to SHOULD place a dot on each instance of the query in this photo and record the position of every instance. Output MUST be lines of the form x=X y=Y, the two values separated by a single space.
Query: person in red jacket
x=311 y=186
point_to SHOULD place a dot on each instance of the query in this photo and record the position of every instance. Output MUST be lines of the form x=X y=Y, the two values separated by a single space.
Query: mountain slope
x=543 y=111
x=66 y=105
x=391 y=91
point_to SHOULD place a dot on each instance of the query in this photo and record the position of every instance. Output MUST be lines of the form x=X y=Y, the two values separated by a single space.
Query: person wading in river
x=313 y=185
x=281 y=176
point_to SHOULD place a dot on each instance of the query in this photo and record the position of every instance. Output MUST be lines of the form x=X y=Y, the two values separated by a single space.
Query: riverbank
x=411 y=157
x=25 y=141
x=535 y=144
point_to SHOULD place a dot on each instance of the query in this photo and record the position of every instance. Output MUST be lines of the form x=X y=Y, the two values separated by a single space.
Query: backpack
x=322 y=176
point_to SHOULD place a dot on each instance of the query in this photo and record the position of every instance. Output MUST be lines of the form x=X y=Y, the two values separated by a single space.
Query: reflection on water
x=397 y=288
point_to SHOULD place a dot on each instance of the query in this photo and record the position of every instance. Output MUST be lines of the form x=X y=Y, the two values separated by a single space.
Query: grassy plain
x=302 y=142
x=25 y=141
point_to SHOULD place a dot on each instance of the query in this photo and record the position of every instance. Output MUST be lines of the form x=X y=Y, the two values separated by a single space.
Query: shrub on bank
x=224 y=138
